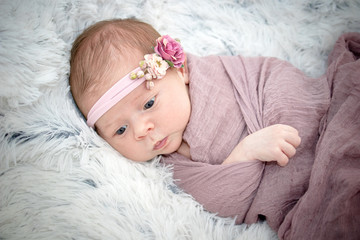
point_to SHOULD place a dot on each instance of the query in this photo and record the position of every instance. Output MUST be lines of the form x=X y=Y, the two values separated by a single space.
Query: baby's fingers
x=294 y=139
x=288 y=149
x=282 y=160
x=289 y=133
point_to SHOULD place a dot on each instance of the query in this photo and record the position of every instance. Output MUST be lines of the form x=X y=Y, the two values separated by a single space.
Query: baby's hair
x=95 y=52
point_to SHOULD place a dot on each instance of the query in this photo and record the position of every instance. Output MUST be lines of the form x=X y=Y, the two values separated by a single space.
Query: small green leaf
x=170 y=63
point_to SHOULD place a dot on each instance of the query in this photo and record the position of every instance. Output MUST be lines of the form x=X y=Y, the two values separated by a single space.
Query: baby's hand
x=274 y=143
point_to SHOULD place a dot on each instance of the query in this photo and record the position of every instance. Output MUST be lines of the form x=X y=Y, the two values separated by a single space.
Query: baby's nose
x=143 y=129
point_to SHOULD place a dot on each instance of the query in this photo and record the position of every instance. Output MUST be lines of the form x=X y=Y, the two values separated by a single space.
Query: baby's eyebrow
x=109 y=127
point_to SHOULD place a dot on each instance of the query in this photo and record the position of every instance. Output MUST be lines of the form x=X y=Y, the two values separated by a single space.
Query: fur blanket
x=59 y=180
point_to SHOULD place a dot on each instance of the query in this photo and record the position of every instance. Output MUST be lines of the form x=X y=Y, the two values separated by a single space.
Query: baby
x=146 y=97
x=142 y=111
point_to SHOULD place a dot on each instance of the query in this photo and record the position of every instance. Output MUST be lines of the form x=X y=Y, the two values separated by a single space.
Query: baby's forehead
x=118 y=67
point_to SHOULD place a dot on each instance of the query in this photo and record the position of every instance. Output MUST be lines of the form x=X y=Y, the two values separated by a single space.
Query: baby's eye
x=150 y=103
x=121 y=130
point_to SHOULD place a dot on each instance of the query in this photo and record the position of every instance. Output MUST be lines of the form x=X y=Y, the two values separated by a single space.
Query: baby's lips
x=160 y=144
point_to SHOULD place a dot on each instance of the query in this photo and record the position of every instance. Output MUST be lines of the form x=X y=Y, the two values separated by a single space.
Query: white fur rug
x=59 y=180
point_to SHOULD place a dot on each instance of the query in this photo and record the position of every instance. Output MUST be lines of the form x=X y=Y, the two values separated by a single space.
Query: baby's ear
x=183 y=72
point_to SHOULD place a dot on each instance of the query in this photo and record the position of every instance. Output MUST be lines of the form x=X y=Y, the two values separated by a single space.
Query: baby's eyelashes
x=149 y=104
x=121 y=130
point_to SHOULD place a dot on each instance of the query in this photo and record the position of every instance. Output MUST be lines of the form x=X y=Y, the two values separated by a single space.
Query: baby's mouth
x=160 y=144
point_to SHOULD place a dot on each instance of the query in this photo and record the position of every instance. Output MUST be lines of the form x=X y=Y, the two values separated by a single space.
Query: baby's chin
x=135 y=159
x=174 y=145
x=148 y=158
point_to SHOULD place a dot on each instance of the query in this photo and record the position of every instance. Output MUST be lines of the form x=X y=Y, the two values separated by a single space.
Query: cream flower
x=156 y=66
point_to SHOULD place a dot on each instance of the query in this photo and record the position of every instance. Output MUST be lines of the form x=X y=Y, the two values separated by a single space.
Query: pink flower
x=156 y=66
x=170 y=50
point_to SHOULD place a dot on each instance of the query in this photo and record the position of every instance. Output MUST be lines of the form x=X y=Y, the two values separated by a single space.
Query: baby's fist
x=274 y=143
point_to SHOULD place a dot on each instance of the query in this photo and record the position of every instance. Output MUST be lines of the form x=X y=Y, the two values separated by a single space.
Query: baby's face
x=147 y=123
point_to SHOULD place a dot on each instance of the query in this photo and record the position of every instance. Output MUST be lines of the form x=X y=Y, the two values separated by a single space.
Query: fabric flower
x=170 y=50
x=156 y=66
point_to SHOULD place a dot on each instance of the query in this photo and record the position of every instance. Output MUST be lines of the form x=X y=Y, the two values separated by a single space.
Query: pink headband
x=117 y=92
x=168 y=53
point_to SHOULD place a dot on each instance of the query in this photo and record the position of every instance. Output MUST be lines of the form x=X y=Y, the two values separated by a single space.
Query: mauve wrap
x=317 y=195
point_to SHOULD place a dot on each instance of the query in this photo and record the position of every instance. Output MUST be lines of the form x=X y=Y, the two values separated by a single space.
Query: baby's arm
x=274 y=143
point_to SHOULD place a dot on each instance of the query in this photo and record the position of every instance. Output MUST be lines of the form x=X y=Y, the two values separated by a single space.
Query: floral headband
x=168 y=53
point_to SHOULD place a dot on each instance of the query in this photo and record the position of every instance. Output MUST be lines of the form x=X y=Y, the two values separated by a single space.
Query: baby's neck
x=184 y=150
